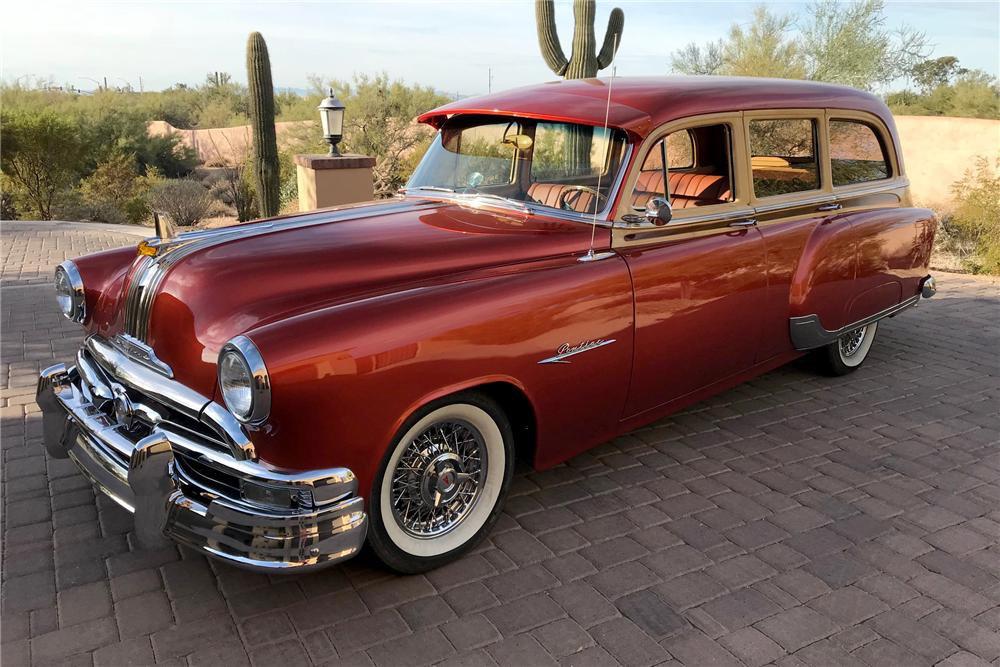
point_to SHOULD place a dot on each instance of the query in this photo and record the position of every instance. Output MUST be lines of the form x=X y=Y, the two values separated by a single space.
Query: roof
x=639 y=104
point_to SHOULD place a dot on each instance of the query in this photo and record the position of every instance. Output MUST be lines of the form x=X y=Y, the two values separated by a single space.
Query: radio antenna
x=591 y=256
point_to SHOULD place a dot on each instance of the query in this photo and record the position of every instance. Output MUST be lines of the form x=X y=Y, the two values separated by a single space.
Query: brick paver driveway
x=795 y=519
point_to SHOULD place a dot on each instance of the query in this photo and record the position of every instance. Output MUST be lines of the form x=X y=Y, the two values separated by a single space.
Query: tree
x=42 y=156
x=267 y=179
x=844 y=43
x=973 y=94
x=930 y=74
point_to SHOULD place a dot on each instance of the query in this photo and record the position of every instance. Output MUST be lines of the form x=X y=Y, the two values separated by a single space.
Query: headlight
x=69 y=292
x=243 y=380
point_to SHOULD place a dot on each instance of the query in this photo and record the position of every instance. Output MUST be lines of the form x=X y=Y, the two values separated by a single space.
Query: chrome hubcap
x=850 y=342
x=438 y=478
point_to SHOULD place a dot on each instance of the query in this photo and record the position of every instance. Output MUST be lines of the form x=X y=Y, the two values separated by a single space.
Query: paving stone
x=694 y=648
x=424 y=647
x=136 y=651
x=752 y=647
x=563 y=637
x=519 y=651
x=838 y=569
x=628 y=643
x=80 y=638
x=885 y=652
x=916 y=637
x=797 y=627
x=84 y=603
x=689 y=590
x=584 y=604
x=524 y=614
x=470 y=632
x=741 y=571
x=740 y=608
x=651 y=614
x=848 y=606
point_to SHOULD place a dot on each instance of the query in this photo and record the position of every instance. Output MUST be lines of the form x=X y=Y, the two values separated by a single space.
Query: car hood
x=221 y=284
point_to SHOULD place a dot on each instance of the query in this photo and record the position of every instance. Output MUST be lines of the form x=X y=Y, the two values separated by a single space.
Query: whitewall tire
x=442 y=483
x=848 y=352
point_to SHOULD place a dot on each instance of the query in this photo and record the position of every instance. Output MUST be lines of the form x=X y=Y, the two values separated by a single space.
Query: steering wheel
x=578 y=190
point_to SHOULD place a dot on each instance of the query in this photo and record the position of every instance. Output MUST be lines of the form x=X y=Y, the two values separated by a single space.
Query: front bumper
x=187 y=488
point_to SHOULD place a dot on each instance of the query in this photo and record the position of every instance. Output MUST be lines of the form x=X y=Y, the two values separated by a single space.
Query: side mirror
x=658 y=211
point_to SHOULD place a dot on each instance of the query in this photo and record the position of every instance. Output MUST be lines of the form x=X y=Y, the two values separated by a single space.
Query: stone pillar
x=326 y=180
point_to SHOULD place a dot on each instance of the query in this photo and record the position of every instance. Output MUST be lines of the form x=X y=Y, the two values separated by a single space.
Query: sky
x=451 y=46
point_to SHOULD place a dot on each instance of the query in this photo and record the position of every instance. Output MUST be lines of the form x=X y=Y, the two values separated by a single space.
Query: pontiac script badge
x=566 y=350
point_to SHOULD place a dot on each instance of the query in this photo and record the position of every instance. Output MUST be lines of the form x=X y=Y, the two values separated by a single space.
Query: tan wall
x=937 y=150
x=225 y=146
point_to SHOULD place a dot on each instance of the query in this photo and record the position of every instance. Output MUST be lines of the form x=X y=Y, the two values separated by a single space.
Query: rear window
x=783 y=156
x=857 y=155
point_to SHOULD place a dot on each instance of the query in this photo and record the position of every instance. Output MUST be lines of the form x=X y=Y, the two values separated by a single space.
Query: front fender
x=344 y=378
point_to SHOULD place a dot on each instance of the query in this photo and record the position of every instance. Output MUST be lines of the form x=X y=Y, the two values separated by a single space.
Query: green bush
x=185 y=201
x=115 y=192
x=972 y=230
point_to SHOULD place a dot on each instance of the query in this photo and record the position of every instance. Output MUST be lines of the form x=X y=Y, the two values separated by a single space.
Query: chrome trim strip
x=823 y=197
x=682 y=221
x=566 y=350
x=808 y=333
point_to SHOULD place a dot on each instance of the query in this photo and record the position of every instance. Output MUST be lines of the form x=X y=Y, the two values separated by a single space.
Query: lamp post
x=331 y=114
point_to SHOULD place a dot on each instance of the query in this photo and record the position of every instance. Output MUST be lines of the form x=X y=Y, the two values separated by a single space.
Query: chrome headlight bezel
x=70 y=294
x=245 y=353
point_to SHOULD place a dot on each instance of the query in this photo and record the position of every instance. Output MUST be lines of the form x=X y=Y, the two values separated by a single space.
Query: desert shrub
x=972 y=230
x=232 y=187
x=115 y=192
x=185 y=201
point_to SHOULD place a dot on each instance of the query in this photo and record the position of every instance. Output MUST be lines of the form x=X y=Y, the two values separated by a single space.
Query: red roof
x=639 y=104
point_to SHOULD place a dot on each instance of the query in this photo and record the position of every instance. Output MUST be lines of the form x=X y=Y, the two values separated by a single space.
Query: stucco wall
x=937 y=150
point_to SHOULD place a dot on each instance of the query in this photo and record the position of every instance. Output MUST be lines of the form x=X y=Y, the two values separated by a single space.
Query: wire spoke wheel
x=852 y=341
x=438 y=478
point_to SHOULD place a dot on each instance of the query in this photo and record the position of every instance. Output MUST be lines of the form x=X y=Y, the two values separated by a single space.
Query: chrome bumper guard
x=241 y=511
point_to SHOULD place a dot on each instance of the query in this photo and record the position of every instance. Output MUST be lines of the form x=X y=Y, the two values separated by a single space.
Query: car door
x=699 y=280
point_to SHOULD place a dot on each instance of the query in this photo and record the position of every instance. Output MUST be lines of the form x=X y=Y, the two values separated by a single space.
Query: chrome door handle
x=749 y=222
x=829 y=207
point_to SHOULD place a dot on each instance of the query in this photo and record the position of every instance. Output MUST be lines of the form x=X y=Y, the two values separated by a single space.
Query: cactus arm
x=548 y=38
x=612 y=38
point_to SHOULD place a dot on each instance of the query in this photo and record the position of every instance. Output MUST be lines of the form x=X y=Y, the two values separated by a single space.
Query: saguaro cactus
x=584 y=61
x=265 y=145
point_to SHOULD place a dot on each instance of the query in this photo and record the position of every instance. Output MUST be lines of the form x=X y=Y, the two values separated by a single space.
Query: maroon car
x=569 y=261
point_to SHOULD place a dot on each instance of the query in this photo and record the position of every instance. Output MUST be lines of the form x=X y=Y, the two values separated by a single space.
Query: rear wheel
x=848 y=352
x=442 y=484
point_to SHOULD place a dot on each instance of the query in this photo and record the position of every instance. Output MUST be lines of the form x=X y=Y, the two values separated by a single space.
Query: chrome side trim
x=808 y=333
x=566 y=350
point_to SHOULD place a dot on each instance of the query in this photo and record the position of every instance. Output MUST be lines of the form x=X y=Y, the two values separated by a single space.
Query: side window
x=783 y=156
x=698 y=161
x=856 y=153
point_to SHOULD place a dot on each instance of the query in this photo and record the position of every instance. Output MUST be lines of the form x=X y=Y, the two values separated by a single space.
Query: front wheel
x=442 y=484
x=848 y=352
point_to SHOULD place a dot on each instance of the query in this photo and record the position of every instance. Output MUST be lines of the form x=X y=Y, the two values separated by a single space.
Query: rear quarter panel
x=860 y=262
x=346 y=377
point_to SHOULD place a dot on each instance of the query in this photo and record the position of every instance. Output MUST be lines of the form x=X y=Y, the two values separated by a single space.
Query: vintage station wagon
x=569 y=261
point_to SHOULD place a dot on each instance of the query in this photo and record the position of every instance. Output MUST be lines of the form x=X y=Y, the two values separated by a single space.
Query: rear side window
x=856 y=153
x=680 y=150
x=783 y=156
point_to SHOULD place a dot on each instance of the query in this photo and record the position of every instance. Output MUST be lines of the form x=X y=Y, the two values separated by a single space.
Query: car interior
x=699 y=169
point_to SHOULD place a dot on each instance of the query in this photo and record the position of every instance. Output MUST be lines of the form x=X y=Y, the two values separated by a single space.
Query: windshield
x=558 y=165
